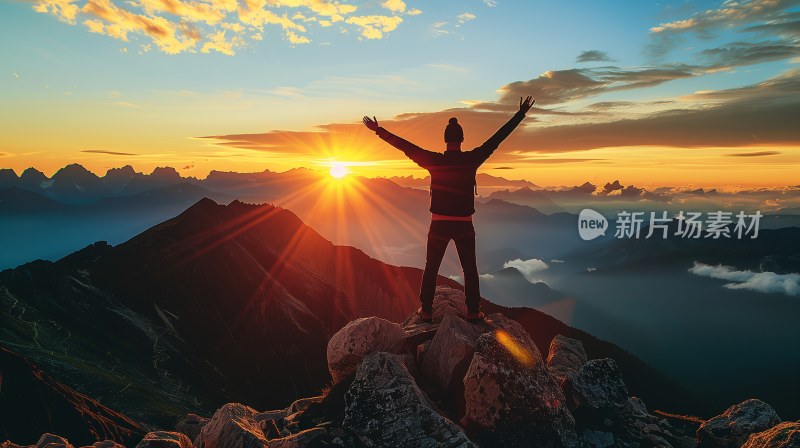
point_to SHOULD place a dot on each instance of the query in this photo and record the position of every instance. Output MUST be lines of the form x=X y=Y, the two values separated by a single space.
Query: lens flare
x=521 y=353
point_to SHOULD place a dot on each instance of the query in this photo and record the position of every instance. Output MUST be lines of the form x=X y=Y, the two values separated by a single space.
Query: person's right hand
x=525 y=106
x=371 y=123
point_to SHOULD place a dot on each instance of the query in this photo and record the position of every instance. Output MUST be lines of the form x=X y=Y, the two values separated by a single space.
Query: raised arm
x=422 y=157
x=488 y=147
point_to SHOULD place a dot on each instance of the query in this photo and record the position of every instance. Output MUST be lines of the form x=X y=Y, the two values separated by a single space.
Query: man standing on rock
x=452 y=202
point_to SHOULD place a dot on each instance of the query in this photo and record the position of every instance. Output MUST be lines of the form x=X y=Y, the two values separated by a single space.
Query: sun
x=339 y=170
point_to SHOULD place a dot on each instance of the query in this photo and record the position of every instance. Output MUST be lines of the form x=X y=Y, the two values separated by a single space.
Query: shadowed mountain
x=30 y=401
x=219 y=304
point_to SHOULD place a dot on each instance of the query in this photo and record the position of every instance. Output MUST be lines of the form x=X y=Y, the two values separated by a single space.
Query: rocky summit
x=451 y=383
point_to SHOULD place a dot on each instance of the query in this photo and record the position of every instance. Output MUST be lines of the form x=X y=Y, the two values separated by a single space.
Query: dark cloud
x=504 y=168
x=561 y=86
x=612 y=186
x=754 y=154
x=593 y=56
x=113 y=153
x=745 y=53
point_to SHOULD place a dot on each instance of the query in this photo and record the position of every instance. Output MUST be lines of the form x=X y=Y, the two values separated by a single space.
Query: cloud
x=394 y=5
x=758 y=16
x=767 y=282
x=593 y=56
x=754 y=154
x=527 y=267
x=178 y=26
x=560 y=86
x=113 y=153
x=437 y=29
x=464 y=18
x=373 y=27
x=490 y=3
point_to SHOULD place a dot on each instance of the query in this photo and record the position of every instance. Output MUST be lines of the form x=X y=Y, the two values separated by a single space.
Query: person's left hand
x=525 y=106
x=371 y=123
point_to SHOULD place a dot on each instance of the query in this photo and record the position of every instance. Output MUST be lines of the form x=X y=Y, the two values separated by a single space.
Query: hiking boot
x=425 y=315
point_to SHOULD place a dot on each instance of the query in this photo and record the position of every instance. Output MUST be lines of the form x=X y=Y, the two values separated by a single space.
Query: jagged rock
x=449 y=301
x=384 y=407
x=362 y=336
x=105 y=444
x=566 y=355
x=783 y=435
x=509 y=390
x=302 y=404
x=299 y=440
x=48 y=440
x=597 y=386
x=638 y=409
x=597 y=439
x=450 y=352
x=191 y=425
x=421 y=350
x=165 y=439
x=232 y=425
x=732 y=428
x=10 y=444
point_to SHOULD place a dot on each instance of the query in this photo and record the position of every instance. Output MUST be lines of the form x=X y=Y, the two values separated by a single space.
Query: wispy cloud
x=112 y=153
x=767 y=282
x=222 y=26
x=464 y=18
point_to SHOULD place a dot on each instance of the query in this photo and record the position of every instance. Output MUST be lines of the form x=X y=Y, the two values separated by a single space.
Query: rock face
x=384 y=407
x=232 y=425
x=566 y=355
x=449 y=353
x=784 y=435
x=191 y=425
x=358 y=338
x=52 y=441
x=509 y=390
x=165 y=439
x=732 y=428
x=299 y=440
x=597 y=386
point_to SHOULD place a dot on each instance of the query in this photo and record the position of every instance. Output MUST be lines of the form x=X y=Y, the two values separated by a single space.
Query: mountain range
x=219 y=304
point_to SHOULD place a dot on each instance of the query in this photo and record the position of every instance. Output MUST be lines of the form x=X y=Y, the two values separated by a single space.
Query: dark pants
x=439 y=235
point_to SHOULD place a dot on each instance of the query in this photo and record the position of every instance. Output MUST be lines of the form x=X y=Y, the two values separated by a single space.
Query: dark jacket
x=452 y=172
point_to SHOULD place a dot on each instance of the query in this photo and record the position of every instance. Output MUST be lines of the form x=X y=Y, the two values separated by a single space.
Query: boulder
x=385 y=407
x=597 y=439
x=362 y=336
x=449 y=301
x=10 y=444
x=106 y=444
x=48 y=440
x=507 y=389
x=732 y=428
x=450 y=353
x=165 y=439
x=783 y=435
x=191 y=425
x=597 y=386
x=232 y=425
x=566 y=355
x=299 y=440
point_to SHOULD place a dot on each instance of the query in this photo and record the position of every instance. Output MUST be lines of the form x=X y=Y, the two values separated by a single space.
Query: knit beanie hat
x=453 y=132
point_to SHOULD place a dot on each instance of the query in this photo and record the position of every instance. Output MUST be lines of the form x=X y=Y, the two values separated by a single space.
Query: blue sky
x=68 y=89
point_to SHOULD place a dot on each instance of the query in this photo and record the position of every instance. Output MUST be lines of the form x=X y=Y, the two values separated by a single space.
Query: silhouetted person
x=452 y=202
